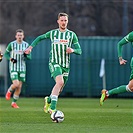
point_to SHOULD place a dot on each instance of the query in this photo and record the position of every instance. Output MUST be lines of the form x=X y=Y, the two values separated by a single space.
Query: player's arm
x=7 y=54
x=27 y=56
x=77 y=48
x=123 y=41
x=36 y=41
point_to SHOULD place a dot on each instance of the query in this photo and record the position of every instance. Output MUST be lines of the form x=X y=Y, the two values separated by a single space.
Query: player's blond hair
x=62 y=14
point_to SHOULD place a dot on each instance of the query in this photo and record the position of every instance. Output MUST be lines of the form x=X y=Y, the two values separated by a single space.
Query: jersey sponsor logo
x=64 y=41
x=18 y=52
x=61 y=41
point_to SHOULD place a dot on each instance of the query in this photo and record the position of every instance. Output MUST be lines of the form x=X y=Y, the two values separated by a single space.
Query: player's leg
x=60 y=83
x=47 y=99
x=16 y=95
x=121 y=89
x=105 y=94
x=55 y=92
x=65 y=77
x=21 y=79
x=13 y=86
x=130 y=84
x=56 y=73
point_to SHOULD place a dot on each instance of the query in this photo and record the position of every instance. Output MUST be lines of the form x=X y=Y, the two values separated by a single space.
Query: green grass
x=82 y=115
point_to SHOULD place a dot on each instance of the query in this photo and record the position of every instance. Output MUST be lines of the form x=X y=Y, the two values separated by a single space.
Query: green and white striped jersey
x=16 y=51
x=60 y=41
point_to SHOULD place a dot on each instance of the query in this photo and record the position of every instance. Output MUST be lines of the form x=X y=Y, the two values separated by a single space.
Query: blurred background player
x=15 y=53
x=122 y=88
x=1 y=55
x=59 y=61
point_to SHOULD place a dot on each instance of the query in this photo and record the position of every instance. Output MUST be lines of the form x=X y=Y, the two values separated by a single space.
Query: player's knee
x=16 y=84
x=61 y=83
x=129 y=89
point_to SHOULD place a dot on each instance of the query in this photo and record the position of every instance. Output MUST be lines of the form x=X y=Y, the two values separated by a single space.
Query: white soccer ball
x=57 y=116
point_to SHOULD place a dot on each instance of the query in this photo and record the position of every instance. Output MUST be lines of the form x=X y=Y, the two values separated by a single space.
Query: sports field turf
x=82 y=115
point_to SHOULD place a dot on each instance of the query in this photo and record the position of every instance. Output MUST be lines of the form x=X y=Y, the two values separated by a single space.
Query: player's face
x=63 y=21
x=19 y=36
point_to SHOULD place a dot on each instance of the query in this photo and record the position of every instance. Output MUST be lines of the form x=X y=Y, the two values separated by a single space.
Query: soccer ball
x=57 y=116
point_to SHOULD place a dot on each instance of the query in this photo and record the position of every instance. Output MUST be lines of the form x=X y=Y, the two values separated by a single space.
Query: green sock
x=53 y=105
x=15 y=98
x=49 y=99
x=118 y=90
x=54 y=100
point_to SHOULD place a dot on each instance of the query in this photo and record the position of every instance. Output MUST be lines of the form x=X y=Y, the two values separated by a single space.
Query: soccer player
x=122 y=88
x=1 y=56
x=15 y=53
x=62 y=41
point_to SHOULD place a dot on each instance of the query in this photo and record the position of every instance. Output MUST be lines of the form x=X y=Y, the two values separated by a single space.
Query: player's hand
x=25 y=54
x=122 y=61
x=69 y=50
x=13 y=60
x=28 y=50
x=1 y=55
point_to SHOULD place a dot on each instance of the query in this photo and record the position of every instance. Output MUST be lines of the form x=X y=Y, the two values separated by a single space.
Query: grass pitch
x=82 y=115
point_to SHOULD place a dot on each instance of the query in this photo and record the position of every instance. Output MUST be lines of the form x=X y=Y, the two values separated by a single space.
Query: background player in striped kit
x=15 y=53
x=62 y=40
